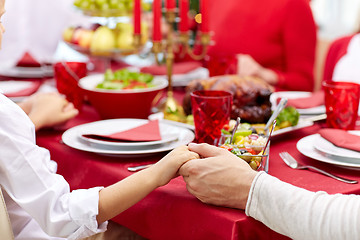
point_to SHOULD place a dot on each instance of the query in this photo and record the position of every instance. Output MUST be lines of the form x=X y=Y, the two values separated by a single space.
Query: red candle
x=204 y=9
x=170 y=4
x=137 y=18
x=184 y=20
x=157 y=20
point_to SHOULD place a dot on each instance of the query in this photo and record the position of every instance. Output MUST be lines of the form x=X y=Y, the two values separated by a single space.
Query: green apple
x=103 y=40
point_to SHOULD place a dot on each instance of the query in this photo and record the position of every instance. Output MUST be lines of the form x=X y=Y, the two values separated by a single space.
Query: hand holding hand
x=168 y=167
x=48 y=109
x=247 y=66
x=220 y=178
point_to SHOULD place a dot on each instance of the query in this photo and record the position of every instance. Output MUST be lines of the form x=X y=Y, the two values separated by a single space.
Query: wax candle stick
x=157 y=20
x=170 y=4
x=204 y=9
x=184 y=20
x=137 y=17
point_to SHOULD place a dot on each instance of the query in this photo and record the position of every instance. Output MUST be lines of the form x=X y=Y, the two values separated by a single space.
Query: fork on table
x=291 y=162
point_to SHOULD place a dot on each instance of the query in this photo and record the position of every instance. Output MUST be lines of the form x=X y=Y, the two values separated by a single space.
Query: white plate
x=160 y=116
x=327 y=147
x=26 y=72
x=301 y=124
x=181 y=80
x=106 y=127
x=71 y=138
x=291 y=95
x=306 y=147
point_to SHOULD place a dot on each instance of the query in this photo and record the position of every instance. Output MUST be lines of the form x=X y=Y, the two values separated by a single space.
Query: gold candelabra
x=176 y=44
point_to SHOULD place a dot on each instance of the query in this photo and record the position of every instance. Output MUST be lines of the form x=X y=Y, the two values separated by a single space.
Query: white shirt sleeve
x=301 y=214
x=27 y=179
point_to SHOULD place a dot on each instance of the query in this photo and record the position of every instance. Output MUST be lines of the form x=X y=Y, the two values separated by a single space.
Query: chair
x=5 y=225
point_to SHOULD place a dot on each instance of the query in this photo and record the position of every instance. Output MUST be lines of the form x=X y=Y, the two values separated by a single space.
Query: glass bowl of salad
x=122 y=93
x=247 y=145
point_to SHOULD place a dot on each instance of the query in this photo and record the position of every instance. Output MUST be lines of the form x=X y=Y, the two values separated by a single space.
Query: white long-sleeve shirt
x=301 y=214
x=39 y=202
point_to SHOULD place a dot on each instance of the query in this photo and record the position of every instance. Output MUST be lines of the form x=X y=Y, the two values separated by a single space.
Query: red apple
x=76 y=35
x=85 y=38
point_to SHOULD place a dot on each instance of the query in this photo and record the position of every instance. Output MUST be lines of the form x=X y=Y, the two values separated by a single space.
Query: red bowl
x=129 y=103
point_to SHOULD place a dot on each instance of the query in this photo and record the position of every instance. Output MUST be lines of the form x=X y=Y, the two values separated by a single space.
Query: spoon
x=278 y=109
x=235 y=128
x=268 y=140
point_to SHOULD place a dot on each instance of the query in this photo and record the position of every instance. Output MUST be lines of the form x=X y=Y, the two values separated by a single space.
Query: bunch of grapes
x=124 y=6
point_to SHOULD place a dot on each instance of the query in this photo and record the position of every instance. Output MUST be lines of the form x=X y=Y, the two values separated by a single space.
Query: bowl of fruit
x=122 y=93
x=247 y=144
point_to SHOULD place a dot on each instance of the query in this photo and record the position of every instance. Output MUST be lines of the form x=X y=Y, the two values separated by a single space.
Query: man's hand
x=220 y=178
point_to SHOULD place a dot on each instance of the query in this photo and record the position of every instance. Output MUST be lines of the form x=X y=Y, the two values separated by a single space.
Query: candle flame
x=198 y=18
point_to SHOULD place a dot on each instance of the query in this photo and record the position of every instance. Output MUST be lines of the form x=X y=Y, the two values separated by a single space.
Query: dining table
x=170 y=211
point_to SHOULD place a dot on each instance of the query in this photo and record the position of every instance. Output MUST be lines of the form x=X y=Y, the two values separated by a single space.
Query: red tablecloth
x=170 y=212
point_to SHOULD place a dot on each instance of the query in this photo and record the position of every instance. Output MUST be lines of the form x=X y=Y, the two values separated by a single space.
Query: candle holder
x=176 y=44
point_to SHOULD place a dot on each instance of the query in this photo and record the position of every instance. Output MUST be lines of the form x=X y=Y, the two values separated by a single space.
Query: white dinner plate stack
x=7 y=69
x=171 y=137
x=318 y=148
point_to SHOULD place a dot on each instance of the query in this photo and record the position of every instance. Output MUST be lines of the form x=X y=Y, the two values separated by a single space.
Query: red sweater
x=278 y=34
x=336 y=51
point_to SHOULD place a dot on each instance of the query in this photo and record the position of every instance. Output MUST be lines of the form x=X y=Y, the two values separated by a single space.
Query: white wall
x=336 y=18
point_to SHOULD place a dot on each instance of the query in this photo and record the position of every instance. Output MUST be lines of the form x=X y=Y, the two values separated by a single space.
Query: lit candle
x=204 y=8
x=184 y=20
x=157 y=20
x=170 y=4
x=137 y=18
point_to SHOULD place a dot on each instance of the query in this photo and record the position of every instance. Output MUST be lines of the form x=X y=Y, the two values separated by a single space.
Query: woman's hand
x=48 y=109
x=247 y=66
x=167 y=168
x=220 y=178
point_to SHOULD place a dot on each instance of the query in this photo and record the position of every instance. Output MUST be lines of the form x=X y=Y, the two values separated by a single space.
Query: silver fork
x=291 y=162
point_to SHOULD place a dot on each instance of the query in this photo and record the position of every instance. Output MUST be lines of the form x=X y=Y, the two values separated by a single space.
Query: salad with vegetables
x=246 y=143
x=125 y=79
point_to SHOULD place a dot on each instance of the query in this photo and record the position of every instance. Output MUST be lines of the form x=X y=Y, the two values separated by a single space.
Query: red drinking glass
x=211 y=110
x=67 y=76
x=342 y=103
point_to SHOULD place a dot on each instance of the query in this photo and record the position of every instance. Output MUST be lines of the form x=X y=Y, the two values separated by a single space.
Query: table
x=170 y=212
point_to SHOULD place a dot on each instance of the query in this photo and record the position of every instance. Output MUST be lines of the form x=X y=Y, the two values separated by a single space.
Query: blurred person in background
x=221 y=178
x=342 y=61
x=35 y=27
x=39 y=202
x=272 y=40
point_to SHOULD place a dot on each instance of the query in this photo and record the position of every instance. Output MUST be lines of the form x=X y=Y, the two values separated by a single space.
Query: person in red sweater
x=274 y=40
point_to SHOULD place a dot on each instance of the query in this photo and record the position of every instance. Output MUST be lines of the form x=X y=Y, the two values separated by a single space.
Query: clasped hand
x=219 y=177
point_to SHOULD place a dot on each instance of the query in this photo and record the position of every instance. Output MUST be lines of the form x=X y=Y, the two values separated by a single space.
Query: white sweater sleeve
x=301 y=214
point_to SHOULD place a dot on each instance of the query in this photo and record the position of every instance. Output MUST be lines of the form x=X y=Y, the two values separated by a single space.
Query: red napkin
x=341 y=138
x=25 y=92
x=178 y=68
x=28 y=61
x=143 y=133
x=316 y=99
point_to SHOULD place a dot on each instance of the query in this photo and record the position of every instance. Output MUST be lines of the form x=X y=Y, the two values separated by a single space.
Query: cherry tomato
x=226 y=127
x=252 y=151
x=227 y=147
